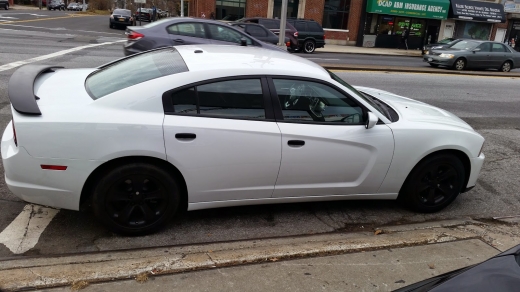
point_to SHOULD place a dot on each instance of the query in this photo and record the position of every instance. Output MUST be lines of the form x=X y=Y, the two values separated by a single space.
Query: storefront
x=386 y=21
x=473 y=19
x=512 y=10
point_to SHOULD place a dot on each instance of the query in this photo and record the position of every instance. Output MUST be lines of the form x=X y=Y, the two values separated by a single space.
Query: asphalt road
x=490 y=104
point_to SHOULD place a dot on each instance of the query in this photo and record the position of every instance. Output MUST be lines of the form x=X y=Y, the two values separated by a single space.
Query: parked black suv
x=56 y=5
x=274 y=26
x=258 y=31
x=310 y=34
x=4 y=4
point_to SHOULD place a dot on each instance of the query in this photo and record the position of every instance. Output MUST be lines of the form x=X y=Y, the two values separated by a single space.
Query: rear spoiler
x=21 y=88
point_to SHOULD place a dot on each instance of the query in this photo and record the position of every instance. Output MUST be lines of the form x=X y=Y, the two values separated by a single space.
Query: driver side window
x=309 y=101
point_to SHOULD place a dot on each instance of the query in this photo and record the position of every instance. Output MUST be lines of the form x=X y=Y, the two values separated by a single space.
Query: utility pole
x=283 y=21
x=84 y=8
x=182 y=8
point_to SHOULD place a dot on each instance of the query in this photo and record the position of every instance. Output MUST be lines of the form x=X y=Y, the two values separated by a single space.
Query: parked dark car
x=441 y=44
x=143 y=14
x=310 y=34
x=500 y=273
x=186 y=31
x=474 y=54
x=56 y=5
x=4 y=4
x=73 y=6
x=258 y=31
x=121 y=18
x=274 y=26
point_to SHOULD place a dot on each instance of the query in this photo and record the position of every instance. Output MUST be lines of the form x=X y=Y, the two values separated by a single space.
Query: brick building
x=339 y=18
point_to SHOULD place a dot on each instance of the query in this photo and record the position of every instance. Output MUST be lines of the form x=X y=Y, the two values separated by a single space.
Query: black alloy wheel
x=309 y=46
x=434 y=183
x=136 y=199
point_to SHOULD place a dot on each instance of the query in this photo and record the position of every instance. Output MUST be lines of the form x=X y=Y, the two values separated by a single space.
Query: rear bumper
x=129 y=49
x=28 y=181
x=116 y=22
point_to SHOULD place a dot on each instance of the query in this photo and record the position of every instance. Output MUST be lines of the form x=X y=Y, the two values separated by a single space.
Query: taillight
x=288 y=44
x=14 y=134
x=135 y=36
x=323 y=37
x=296 y=34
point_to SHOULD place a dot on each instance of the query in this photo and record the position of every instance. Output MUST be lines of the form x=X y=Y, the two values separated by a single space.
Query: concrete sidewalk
x=382 y=259
x=368 y=51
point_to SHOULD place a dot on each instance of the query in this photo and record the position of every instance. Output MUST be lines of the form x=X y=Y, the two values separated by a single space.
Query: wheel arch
x=463 y=157
x=88 y=186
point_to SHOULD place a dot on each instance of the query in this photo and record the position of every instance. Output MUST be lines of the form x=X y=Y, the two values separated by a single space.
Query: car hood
x=415 y=111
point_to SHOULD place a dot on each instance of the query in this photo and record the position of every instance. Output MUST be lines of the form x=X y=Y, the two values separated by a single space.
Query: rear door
x=187 y=33
x=499 y=54
x=222 y=136
x=326 y=149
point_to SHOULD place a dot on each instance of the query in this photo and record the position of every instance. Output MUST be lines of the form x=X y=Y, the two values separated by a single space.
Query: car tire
x=6 y=7
x=460 y=64
x=506 y=66
x=111 y=25
x=122 y=199
x=433 y=183
x=434 y=65
x=309 y=46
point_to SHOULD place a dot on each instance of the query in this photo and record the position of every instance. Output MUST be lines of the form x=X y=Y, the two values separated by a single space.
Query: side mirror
x=371 y=120
x=476 y=50
x=243 y=42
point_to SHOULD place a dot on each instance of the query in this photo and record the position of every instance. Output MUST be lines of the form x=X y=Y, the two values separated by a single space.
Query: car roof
x=254 y=60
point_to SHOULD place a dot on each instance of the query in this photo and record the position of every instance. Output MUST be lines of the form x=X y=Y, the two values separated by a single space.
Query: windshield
x=465 y=45
x=133 y=70
x=364 y=97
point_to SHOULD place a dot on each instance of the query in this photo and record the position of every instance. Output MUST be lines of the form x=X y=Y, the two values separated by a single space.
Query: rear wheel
x=506 y=67
x=433 y=184
x=309 y=46
x=460 y=64
x=136 y=199
x=434 y=65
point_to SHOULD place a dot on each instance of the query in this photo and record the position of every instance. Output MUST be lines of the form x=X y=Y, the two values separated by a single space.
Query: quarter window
x=256 y=31
x=188 y=29
x=241 y=98
x=311 y=101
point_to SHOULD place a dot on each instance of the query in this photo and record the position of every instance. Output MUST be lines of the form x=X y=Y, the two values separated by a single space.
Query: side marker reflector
x=53 y=167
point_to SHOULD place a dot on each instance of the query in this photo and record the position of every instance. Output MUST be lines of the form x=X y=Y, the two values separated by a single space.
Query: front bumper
x=476 y=166
x=432 y=59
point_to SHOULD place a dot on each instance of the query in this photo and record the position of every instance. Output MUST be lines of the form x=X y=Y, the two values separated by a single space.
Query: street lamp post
x=283 y=21
x=182 y=8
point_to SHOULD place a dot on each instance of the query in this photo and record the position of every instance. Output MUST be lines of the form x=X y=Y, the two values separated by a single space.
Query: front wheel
x=309 y=46
x=6 y=7
x=506 y=67
x=433 y=184
x=136 y=199
x=460 y=64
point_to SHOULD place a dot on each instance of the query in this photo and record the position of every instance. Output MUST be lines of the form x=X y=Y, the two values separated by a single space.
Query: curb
x=52 y=271
x=369 y=54
x=418 y=70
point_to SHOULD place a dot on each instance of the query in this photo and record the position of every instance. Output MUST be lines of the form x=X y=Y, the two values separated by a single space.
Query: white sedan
x=196 y=127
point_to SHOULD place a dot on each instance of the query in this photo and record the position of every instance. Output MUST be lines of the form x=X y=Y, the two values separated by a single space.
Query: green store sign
x=437 y=9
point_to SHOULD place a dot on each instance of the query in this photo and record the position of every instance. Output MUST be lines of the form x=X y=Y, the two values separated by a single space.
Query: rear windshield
x=134 y=70
x=122 y=12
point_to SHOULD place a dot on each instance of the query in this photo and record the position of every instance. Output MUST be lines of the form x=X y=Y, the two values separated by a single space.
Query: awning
x=477 y=11
x=436 y=9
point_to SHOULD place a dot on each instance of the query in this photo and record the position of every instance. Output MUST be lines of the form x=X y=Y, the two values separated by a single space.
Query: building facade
x=339 y=18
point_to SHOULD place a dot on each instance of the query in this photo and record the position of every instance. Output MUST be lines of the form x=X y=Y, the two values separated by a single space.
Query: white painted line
x=56 y=54
x=25 y=230
x=59 y=28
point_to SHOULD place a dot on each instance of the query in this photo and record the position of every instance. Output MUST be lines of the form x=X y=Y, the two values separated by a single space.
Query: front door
x=481 y=58
x=218 y=135
x=326 y=150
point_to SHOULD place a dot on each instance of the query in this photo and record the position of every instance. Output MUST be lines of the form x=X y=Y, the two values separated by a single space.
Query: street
x=489 y=104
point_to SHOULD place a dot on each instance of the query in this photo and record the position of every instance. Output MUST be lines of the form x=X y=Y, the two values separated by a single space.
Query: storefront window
x=230 y=9
x=387 y=25
x=292 y=8
x=335 y=14
x=472 y=30
x=418 y=27
x=401 y=24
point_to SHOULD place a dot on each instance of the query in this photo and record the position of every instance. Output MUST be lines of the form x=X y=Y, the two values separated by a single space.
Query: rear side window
x=241 y=99
x=188 y=29
x=256 y=31
x=134 y=70
x=314 y=27
x=270 y=24
x=300 y=26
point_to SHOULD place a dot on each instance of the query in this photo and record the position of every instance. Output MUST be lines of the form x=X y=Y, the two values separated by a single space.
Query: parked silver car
x=474 y=54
